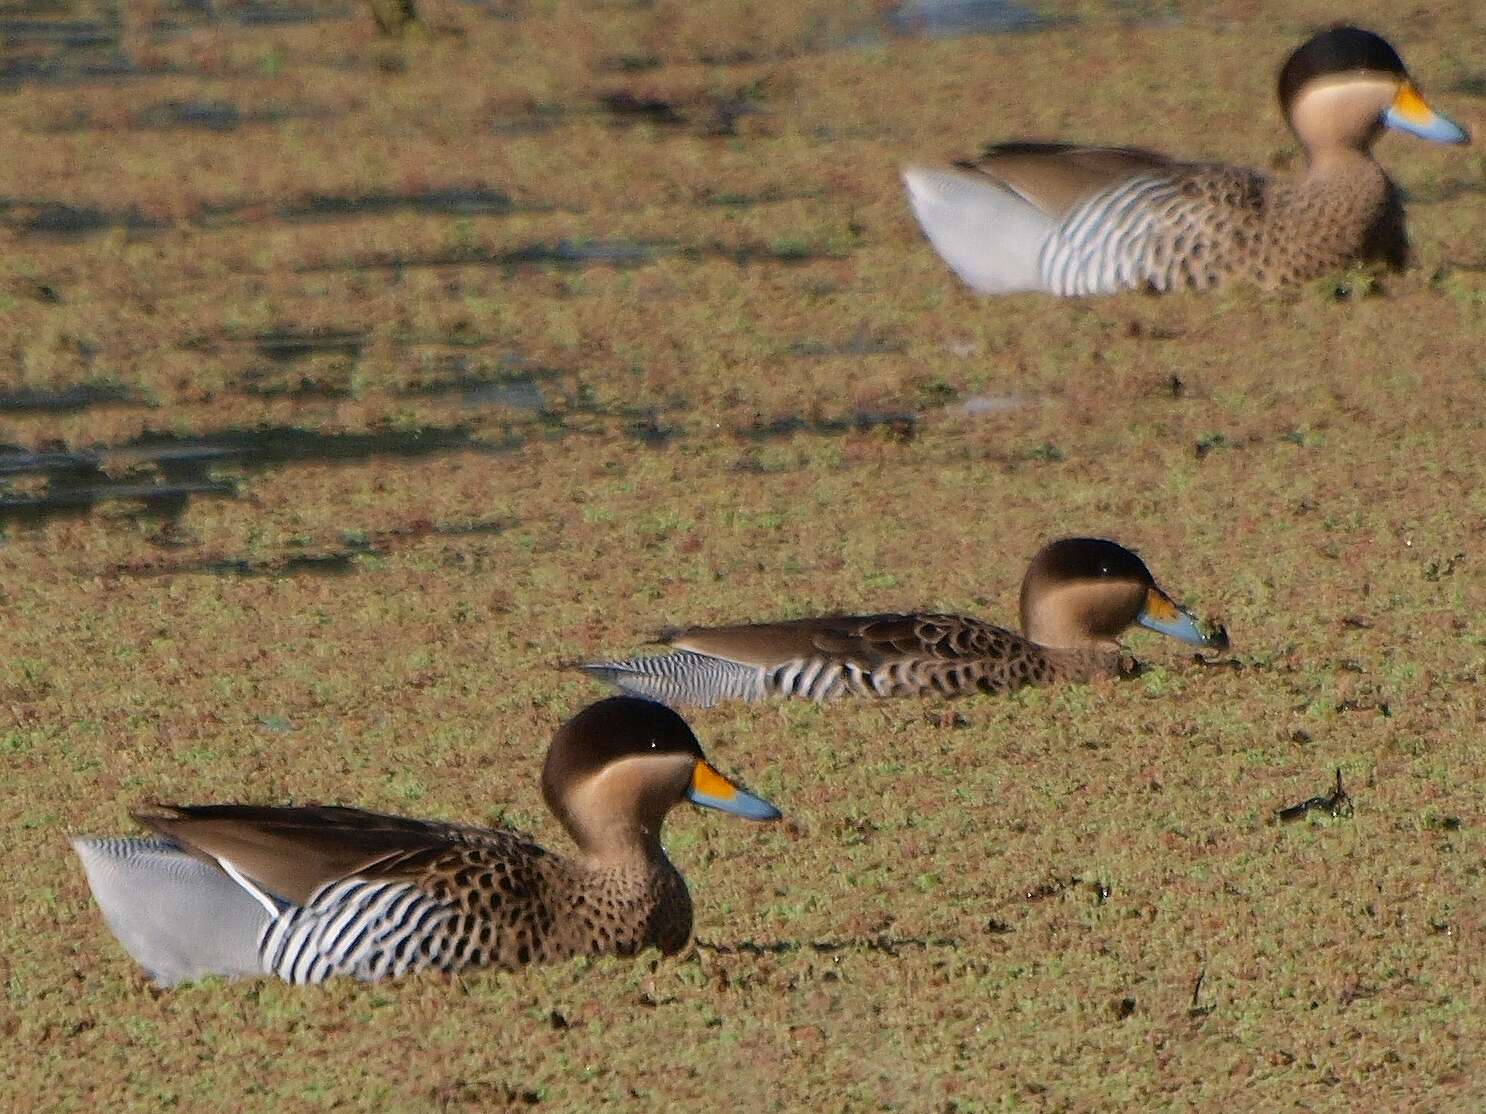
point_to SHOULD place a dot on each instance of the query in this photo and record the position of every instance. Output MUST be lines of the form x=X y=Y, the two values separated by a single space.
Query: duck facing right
x=1076 y=220
x=1077 y=597
x=307 y=893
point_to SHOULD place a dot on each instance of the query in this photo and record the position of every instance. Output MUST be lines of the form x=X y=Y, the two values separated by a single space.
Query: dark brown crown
x=610 y=730
x=1089 y=559
x=1336 y=50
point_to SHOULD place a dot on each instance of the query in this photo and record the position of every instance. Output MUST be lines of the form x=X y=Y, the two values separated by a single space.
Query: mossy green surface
x=1073 y=898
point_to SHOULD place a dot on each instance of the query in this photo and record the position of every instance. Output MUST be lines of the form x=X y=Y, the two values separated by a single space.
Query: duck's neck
x=1087 y=663
x=1342 y=210
x=616 y=839
x=1342 y=186
x=1333 y=162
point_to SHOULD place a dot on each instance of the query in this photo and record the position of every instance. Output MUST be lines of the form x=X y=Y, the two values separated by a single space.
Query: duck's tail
x=179 y=917
x=989 y=235
x=681 y=678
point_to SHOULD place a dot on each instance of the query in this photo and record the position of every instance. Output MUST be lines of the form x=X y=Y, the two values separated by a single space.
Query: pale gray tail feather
x=989 y=235
x=681 y=678
x=179 y=917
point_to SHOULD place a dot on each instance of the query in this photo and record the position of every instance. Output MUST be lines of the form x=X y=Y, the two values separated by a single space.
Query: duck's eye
x=1104 y=570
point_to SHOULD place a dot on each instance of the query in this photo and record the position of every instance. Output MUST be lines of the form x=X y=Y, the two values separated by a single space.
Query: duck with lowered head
x=1078 y=596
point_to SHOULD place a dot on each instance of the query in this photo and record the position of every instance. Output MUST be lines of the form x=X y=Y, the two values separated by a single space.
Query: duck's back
x=1056 y=177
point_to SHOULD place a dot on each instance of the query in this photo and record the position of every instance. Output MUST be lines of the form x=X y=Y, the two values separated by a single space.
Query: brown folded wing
x=866 y=641
x=292 y=852
x=1056 y=176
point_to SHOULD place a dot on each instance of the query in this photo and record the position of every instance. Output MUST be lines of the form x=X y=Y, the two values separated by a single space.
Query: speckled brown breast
x=519 y=904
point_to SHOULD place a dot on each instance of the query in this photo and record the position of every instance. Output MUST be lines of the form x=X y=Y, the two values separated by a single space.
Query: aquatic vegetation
x=475 y=374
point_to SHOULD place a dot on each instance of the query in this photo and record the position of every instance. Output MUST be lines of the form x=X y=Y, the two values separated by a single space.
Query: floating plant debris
x=578 y=254
x=1335 y=804
x=285 y=347
x=335 y=563
x=863 y=342
x=325 y=561
x=883 y=943
x=213 y=116
x=980 y=405
x=1217 y=640
x=564 y=254
x=516 y=392
x=1197 y=1008
x=448 y=201
x=653 y=109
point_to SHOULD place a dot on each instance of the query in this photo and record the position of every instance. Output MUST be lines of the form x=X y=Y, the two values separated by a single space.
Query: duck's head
x=1345 y=85
x=1085 y=592
x=616 y=768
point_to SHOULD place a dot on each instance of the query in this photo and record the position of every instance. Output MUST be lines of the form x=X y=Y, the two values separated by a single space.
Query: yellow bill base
x=1159 y=607
x=706 y=780
x=1410 y=105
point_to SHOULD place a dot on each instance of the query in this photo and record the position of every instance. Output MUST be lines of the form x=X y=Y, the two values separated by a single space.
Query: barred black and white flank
x=870 y=656
x=683 y=678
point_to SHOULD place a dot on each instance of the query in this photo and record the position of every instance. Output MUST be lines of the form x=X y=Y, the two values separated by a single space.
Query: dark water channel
x=162 y=472
x=158 y=474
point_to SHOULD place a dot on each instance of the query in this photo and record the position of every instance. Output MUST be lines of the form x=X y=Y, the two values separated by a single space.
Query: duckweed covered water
x=352 y=386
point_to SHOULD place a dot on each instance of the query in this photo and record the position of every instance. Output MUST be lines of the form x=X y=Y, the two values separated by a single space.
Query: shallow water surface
x=164 y=471
x=942 y=19
x=80 y=396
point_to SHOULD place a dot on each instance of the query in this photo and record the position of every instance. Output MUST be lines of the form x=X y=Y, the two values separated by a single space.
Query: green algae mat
x=352 y=385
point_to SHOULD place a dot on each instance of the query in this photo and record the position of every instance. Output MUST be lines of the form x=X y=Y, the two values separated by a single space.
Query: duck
x=1077 y=597
x=306 y=893
x=1073 y=220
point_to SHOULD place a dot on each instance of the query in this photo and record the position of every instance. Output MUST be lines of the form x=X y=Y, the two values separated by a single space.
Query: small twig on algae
x=1196 y=1009
x=1336 y=804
